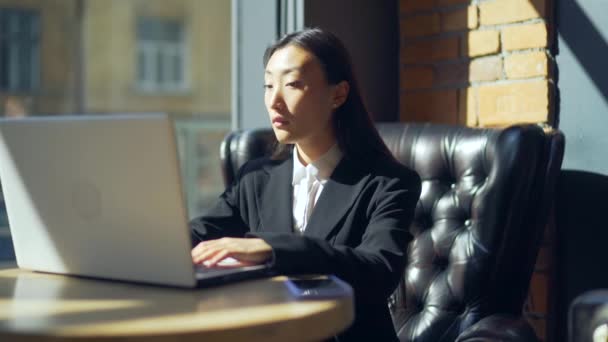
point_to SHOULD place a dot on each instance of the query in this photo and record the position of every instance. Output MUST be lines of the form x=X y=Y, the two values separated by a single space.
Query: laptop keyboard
x=202 y=271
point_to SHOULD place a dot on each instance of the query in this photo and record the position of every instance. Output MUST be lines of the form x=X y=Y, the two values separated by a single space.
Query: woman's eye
x=267 y=86
x=294 y=84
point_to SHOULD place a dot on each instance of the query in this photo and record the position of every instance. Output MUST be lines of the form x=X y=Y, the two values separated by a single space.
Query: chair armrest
x=504 y=328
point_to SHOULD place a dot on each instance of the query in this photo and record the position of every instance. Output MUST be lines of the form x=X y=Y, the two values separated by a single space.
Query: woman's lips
x=279 y=122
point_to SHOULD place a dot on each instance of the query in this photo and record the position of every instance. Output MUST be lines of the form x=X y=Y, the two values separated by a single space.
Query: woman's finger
x=204 y=245
x=211 y=262
x=207 y=247
x=247 y=251
x=205 y=254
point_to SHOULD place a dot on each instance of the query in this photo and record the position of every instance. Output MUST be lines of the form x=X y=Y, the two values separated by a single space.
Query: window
x=92 y=57
x=160 y=55
x=19 y=50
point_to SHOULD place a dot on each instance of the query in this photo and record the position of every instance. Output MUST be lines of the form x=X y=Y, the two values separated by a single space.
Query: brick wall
x=481 y=63
x=475 y=62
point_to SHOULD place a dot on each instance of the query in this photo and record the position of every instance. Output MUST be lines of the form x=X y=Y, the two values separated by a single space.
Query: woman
x=332 y=200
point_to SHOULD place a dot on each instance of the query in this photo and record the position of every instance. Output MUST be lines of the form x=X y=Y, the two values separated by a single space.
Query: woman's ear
x=340 y=93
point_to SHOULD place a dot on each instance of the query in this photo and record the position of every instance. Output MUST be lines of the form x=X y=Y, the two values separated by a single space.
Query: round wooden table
x=44 y=307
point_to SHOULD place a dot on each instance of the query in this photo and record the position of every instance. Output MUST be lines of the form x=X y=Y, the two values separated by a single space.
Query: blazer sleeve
x=372 y=268
x=224 y=219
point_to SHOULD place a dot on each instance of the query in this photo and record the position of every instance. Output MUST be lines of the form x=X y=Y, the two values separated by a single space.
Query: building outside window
x=161 y=54
x=19 y=50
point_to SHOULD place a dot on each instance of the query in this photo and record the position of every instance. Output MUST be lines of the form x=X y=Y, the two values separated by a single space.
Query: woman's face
x=298 y=98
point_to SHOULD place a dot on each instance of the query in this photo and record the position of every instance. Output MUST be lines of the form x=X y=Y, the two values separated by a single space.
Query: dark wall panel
x=370 y=31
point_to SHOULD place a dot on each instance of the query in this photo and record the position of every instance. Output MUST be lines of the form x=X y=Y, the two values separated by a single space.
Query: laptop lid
x=96 y=196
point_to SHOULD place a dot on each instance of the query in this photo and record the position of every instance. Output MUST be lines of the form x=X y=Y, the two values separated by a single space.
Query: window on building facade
x=19 y=50
x=161 y=55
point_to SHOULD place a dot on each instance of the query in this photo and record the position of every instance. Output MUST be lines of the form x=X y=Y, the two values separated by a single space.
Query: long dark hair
x=354 y=129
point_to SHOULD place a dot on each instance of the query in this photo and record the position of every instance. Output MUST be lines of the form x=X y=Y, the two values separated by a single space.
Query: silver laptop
x=101 y=196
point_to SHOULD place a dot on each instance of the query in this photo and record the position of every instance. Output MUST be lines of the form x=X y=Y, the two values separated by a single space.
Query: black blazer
x=358 y=230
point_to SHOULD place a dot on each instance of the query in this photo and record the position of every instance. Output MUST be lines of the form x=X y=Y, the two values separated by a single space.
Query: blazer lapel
x=338 y=196
x=277 y=198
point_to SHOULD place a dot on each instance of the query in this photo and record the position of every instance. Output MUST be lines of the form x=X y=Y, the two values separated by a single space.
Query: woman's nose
x=276 y=101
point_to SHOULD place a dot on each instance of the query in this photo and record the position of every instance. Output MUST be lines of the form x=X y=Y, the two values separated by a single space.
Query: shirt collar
x=299 y=170
x=321 y=168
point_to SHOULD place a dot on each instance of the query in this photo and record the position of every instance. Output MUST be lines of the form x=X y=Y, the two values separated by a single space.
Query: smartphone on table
x=318 y=287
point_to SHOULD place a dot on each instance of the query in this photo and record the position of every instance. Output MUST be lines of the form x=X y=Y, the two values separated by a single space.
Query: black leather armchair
x=485 y=199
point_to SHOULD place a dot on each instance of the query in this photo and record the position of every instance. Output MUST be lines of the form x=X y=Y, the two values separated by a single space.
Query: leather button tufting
x=392 y=302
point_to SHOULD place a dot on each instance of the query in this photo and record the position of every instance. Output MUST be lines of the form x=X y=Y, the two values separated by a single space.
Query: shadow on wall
x=586 y=43
x=582 y=240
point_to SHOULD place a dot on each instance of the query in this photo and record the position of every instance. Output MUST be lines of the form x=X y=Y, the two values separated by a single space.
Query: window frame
x=152 y=49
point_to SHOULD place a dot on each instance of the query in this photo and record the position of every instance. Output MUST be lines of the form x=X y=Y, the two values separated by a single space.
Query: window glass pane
x=147 y=29
x=25 y=24
x=159 y=68
x=34 y=66
x=18 y=49
x=24 y=63
x=34 y=25
x=141 y=65
x=172 y=31
x=14 y=64
x=3 y=23
x=176 y=64
x=13 y=22
x=159 y=29
x=3 y=65
x=100 y=57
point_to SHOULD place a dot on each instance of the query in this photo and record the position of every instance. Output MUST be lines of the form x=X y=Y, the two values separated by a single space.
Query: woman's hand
x=245 y=251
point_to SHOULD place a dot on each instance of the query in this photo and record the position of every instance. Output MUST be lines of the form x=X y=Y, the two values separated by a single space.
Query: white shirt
x=308 y=182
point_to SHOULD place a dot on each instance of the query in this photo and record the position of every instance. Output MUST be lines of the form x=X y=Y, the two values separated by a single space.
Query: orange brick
x=524 y=36
x=467 y=108
x=421 y=25
x=417 y=77
x=505 y=104
x=431 y=50
x=510 y=11
x=430 y=106
x=538 y=293
x=485 y=69
x=409 y=6
x=525 y=65
x=480 y=43
x=462 y=19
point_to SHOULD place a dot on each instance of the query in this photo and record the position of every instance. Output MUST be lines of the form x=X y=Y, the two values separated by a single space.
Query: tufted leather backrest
x=477 y=226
